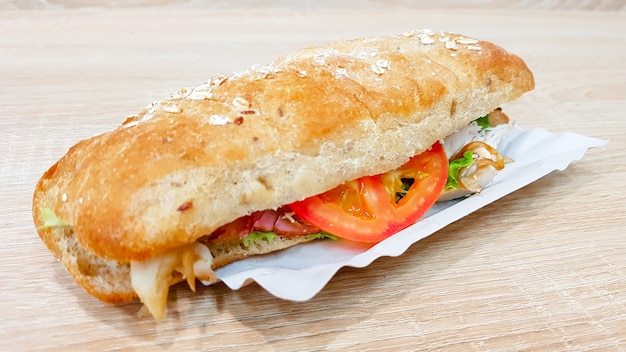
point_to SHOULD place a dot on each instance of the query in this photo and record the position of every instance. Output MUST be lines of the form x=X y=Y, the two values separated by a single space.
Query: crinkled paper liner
x=300 y=272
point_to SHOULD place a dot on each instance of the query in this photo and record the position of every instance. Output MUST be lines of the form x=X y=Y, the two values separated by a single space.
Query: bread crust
x=271 y=135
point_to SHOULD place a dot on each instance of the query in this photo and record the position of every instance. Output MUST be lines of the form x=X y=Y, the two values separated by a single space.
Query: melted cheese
x=152 y=278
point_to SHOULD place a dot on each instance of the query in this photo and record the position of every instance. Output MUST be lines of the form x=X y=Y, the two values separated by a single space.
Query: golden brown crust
x=271 y=135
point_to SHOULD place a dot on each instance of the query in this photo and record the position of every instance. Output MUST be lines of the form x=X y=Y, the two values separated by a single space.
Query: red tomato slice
x=366 y=210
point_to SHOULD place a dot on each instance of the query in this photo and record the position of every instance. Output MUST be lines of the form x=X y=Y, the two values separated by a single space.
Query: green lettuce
x=322 y=235
x=483 y=122
x=49 y=219
x=257 y=236
x=455 y=166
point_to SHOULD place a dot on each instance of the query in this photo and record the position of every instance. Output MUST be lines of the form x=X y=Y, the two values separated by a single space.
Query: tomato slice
x=373 y=208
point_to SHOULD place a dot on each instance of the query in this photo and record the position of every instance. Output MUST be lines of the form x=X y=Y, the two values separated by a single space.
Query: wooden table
x=543 y=269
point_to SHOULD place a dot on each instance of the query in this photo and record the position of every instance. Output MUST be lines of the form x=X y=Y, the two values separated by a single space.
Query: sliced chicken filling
x=486 y=161
x=151 y=279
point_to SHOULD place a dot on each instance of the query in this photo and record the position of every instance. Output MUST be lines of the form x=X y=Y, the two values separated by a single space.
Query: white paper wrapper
x=300 y=272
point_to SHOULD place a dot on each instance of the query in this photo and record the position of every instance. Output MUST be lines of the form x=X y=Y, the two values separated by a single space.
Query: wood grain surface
x=586 y=5
x=543 y=269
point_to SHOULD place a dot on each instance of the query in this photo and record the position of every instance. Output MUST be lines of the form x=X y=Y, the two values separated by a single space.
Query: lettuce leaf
x=483 y=122
x=322 y=235
x=257 y=236
x=455 y=166
x=49 y=219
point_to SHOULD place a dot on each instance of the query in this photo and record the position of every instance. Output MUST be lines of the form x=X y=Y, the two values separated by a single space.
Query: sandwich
x=353 y=141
